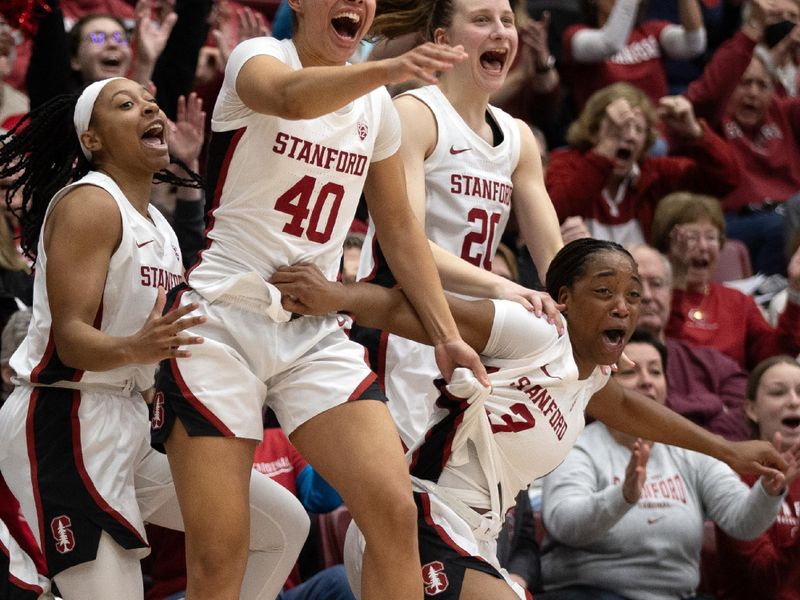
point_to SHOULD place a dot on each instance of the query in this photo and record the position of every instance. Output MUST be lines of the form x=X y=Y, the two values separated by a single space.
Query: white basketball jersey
x=148 y=257
x=468 y=184
x=494 y=443
x=284 y=190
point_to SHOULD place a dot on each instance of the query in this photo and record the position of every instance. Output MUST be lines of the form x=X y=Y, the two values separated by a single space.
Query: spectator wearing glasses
x=162 y=48
x=690 y=230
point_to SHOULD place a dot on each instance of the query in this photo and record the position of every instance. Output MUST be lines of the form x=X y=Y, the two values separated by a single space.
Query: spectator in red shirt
x=616 y=45
x=606 y=176
x=737 y=95
x=769 y=565
x=690 y=230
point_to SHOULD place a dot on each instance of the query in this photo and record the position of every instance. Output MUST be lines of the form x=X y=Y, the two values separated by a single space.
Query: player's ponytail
x=394 y=18
x=39 y=156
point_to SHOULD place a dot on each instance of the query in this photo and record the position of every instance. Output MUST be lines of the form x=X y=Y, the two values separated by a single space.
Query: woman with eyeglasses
x=690 y=230
x=100 y=45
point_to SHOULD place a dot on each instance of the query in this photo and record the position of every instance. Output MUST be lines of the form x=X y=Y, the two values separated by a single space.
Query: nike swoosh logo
x=141 y=244
x=652 y=520
x=454 y=150
x=544 y=370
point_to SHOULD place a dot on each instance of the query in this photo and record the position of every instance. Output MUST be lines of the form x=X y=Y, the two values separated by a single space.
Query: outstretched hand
x=776 y=483
x=160 y=337
x=423 y=63
x=757 y=457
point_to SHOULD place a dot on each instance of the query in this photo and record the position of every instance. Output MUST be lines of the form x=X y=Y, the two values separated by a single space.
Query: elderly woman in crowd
x=690 y=230
x=769 y=565
x=606 y=177
x=625 y=516
x=737 y=94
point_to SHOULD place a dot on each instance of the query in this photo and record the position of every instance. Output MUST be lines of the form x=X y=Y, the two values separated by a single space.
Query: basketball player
x=468 y=166
x=74 y=434
x=298 y=134
x=484 y=445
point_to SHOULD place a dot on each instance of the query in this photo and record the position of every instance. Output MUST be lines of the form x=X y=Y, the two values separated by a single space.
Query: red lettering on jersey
x=280 y=143
x=455 y=184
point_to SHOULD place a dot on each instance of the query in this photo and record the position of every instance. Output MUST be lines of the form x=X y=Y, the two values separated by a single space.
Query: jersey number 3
x=520 y=420
x=295 y=202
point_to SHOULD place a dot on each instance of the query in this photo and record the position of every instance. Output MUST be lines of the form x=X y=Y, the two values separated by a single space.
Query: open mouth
x=494 y=60
x=111 y=61
x=347 y=25
x=791 y=422
x=699 y=263
x=614 y=338
x=154 y=135
x=624 y=153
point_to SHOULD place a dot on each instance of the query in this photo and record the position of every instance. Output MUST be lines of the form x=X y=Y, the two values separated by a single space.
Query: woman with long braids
x=74 y=434
x=484 y=445
x=468 y=166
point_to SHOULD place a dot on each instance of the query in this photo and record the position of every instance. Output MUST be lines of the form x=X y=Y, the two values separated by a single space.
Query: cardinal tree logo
x=434 y=578
x=61 y=528
x=157 y=420
x=363 y=130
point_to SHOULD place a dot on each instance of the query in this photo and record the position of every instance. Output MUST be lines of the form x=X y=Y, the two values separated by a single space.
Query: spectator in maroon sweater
x=769 y=566
x=736 y=94
x=704 y=385
x=690 y=230
x=606 y=177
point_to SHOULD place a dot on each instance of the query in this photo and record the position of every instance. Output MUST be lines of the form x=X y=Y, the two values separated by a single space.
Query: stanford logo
x=434 y=578
x=61 y=528
x=158 y=411
x=363 y=130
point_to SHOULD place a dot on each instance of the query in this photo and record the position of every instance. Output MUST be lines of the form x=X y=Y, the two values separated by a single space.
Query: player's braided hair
x=41 y=154
x=394 y=18
x=569 y=264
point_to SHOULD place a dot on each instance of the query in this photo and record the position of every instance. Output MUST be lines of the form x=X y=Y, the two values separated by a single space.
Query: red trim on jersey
x=77 y=453
x=383 y=343
x=362 y=387
x=18 y=527
x=16 y=581
x=195 y=402
x=37 y=497
x=426 y=513
x=46 y=356
x=223 y=175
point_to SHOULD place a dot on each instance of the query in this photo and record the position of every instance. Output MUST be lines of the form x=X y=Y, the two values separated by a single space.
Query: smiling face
x=103 y=51
x=602 y=309
x=486 y=30
x=127 y=128
x=647 y=376
x=751 y=98
x=329 y=31
x=776 y=407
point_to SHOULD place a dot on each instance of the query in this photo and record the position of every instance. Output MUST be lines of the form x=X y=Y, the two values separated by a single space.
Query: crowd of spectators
x=673 y=127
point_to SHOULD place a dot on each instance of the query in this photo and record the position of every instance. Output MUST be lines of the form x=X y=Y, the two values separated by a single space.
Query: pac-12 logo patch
x=434 y=578
x=363 y=130
x=157 y=420
x=61 y=528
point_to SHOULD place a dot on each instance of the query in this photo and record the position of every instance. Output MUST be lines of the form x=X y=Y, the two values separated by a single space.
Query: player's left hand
x=457 y=353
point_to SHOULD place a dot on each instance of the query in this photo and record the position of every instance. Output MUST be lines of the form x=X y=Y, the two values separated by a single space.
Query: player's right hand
x=160 y=337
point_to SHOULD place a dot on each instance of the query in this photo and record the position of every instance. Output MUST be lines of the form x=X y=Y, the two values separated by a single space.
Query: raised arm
x=266 y=85
x=305 y=290
x=688 y=39
x=632 y=413
x=595 y=45
x=82 y=233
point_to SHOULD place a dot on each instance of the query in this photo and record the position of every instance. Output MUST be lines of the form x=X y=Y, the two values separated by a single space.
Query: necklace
x=697 y=313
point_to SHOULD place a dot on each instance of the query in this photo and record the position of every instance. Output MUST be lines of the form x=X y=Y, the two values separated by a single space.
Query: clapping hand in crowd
x=154 y=22
x=636 y=471
x=677 y=114
x=777 y=483
x=187 y=133
x=230 y=27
